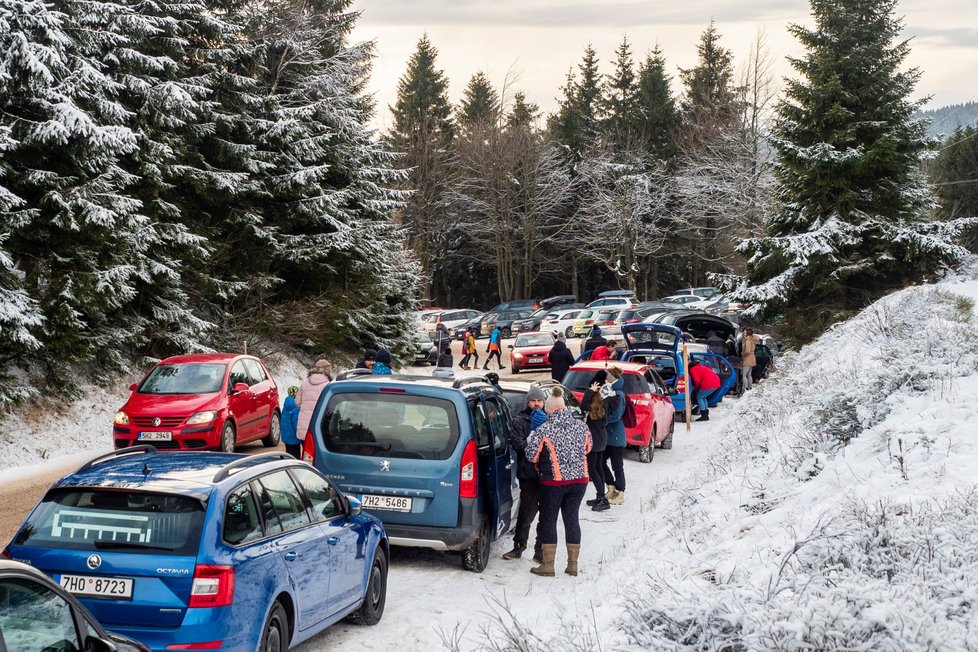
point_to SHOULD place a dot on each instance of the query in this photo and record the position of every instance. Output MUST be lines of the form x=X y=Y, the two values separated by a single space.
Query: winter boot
x=705 y=416
x=538 y=552
x=611 y=493
x=546 y=567
x=594 y=501
x=516 y=552
x=573 y=550
x=617 y=499
x=486 y=366
x=601 y=506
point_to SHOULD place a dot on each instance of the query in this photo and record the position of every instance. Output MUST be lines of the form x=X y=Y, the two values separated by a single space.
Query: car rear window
x=578 y=381
x=112 y=519
x=191 y=378
x=372 y=425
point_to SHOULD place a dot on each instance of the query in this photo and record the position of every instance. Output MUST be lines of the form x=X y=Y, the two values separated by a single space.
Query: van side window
x=479 y=425
x=500 y=425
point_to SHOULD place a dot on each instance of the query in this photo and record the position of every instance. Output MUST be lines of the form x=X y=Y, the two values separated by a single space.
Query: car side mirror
x=510 y=346
x=132 y=388
x=96 y=644
x=241 y=387
x=354 y=506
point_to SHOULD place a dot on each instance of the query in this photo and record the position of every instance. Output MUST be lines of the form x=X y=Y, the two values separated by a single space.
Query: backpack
x=629 y=418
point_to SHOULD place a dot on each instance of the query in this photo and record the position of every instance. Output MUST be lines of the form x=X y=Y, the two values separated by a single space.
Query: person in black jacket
x=561 y=360
x=594 y=341
x=527 y=475
x=598 y=402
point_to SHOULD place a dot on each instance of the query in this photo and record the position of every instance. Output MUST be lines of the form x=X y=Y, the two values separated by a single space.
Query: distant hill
x=943 y=120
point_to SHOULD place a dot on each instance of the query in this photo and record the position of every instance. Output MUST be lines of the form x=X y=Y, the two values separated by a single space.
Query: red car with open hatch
x=206 y=401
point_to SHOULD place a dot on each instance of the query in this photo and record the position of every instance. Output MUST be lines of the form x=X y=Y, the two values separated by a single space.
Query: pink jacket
x=306 y=399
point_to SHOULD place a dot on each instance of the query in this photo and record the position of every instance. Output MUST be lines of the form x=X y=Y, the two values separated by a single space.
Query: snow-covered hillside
x=834 y=507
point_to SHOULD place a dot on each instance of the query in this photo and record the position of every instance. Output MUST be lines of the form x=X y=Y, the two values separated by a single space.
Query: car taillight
x=213 y=586
x=633 y=321
x=589 y=321
x=6 y=554
x=309 y=449
x=468 y=477
x=681 y=384
x=209 y=645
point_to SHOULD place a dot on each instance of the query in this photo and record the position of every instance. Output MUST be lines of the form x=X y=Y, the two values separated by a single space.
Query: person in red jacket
x=606 y=352
x=705 y=381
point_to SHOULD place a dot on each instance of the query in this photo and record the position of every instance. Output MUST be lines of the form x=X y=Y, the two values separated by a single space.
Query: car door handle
x=509 y=466
x=333 y=541
x=291 y=556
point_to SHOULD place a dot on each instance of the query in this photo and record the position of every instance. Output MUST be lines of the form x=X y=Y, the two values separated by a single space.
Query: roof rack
x=248 y=461
x=491 y=378
x=353 y=373
x=142 y=448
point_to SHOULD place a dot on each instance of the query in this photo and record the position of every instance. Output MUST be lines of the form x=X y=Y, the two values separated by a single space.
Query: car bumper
x=439 y=538
x=199 y=626
x=184 y=439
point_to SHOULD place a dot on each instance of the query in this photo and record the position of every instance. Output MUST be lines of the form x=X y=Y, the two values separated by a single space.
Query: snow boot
x=538 y=552
x=705 y=416
x=573 y=550
x=601 y=505
x=516 y=552
x=610 y=493
x=594 y=501
x=617 y=499
x=546 y=567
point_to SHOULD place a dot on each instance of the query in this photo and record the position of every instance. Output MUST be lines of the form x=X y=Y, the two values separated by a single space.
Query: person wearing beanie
x=597 y=402
x=308 y=395
x=560 y=448
x=527 y=476
x=445 y=358
x=289 y=424
x=383 y=365
x=367 y=360
x=613 y=461
x=594 y=341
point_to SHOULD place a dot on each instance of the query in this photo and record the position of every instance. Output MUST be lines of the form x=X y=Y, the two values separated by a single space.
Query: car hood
x=171 y=404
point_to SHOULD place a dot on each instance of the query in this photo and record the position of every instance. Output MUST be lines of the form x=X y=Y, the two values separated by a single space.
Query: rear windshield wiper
x=108 y=544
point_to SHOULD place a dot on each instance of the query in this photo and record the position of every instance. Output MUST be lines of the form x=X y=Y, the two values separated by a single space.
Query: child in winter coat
x=289 y=425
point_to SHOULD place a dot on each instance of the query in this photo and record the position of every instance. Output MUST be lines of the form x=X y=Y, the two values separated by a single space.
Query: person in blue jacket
x=494 y=346
x=614 y=451
x=290 y=420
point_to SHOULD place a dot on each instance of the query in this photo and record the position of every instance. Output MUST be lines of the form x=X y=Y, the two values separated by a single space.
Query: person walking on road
x=495 y=343
x=706 y=382
x=561 y=359
x=526 y=473
x=468 y=348
x=290 y=424
x=747 y=349
x=614 y=452
x=559 y=448
x=308 y=395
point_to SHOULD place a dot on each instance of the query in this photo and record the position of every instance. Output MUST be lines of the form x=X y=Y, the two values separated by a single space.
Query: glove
x=607 y=391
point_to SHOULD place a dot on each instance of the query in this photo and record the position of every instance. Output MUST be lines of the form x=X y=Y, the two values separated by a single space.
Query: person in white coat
x=308 y=395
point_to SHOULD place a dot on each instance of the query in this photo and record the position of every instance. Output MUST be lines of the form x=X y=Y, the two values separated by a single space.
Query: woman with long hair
x=599 y=400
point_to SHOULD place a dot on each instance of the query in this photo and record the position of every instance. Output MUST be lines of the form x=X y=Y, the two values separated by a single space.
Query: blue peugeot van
x=430 y=457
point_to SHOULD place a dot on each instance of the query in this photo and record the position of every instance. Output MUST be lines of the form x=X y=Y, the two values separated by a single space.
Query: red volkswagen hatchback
x=531 y=351
x=192 y=402
x=656 y=416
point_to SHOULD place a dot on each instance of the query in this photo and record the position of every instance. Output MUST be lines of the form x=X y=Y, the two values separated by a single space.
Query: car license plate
x=119 y=588
x=536 y=360
x=392 y=503
x=155 y=436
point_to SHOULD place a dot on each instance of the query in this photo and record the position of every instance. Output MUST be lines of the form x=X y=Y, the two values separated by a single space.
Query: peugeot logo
x=385 y=465
x=156 y=421
x=94 y=561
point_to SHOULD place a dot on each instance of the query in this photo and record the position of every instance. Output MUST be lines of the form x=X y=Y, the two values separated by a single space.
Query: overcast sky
x=537 y=41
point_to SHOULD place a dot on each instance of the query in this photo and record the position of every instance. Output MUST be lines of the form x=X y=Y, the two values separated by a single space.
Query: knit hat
x=537 y=418
x=322 y=366
x=293 y=390
x=369 y=354
x=561 y=337
x=383 y=355
x=599 y=377
x=535 y=393
x=555 y=401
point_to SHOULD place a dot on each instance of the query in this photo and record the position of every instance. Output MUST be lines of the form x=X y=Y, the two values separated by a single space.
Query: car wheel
x=646 y=453
x=274 y=431
x=516 y=370
x=505 y=333
x=569 y=332
x=475 y=558
x=228 y=438
x=372 y=608
x=275 y=638
x=667 y=442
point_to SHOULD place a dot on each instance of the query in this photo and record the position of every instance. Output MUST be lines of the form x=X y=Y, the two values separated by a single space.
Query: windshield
x=137 y=521
x=584 y=314
x=540 y=313
x=191 y=378
x=536 y=339
x=433 y=319
x=578 y=381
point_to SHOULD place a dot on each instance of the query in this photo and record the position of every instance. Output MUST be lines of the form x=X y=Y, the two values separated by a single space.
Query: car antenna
x=146 y=469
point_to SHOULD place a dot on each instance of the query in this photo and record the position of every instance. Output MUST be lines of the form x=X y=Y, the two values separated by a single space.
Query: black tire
x=475 y=558
x=228 y=438
x=372 y=608
x=505 y=334
x=667 y=442
x=515 y=370
x=569 y=332
x=647 y=453
x=275 y=637
x=274 y=431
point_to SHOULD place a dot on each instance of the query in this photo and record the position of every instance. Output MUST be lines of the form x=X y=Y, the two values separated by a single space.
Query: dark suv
x=430 y=457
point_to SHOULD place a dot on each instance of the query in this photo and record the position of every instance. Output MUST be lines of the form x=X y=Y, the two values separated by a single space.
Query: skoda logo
x=385 y=465
x=156 y=421
x=94 y=561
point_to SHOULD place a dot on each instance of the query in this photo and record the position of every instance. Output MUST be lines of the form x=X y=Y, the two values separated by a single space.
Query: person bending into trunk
x=526 y=473
x=559 y=448
x=706 y=383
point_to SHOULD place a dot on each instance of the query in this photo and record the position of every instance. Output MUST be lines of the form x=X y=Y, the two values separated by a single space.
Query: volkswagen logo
x=94 y=561
x=156 y=421
x=385 y=465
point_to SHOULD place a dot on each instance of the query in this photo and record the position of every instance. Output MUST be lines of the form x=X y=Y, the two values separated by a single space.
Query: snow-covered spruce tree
x=329 y=205
x=78 y=236
x=850 y=222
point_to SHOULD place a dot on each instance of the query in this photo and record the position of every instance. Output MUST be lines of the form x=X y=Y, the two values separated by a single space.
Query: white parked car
x=450 y=319
x=560 y=322
x=693 y=301
x=706 y=293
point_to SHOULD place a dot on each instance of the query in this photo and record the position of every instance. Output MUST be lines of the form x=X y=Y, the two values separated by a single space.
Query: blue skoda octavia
x=207 y=551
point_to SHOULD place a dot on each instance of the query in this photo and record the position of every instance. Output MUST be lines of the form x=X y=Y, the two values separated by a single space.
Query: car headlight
x=517 y=356
x=202 y=417
x=121 y=418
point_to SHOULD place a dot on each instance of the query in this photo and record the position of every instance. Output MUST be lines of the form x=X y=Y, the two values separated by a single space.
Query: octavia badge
x=94 y=561
x=385 y=465
x=156 y=421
